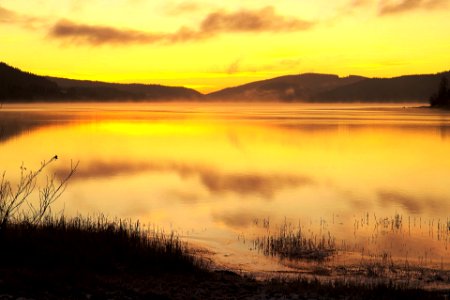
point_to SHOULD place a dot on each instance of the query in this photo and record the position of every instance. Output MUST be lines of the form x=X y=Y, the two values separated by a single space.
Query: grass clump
x=289 y=243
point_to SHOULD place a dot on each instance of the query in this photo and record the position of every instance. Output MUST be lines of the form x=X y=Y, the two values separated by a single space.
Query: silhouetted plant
x=442 y=97
x=97 y=244
x=293 y=244
x=14 y=199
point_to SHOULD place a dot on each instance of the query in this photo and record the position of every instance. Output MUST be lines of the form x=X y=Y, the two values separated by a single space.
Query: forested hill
x=97 y=90
x=313 y=87
x=286 y=88
x=397 y=89
x=16 y=85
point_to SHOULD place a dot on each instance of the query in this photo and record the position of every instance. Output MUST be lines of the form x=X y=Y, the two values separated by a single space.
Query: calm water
x=376 y=178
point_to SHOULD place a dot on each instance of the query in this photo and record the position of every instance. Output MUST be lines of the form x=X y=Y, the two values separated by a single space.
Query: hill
x=398 y=89
x=287 y=88
x=16 y=85
x=97 y=90
x=331 y=88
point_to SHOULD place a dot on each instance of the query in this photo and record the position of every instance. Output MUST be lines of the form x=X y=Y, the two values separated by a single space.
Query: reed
x=292 y=243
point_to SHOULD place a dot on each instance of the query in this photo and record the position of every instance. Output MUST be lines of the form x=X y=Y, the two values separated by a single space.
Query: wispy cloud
x=176 y=9
x=97 y=35
x=238 y=65
x=353 y=6
x=389 y=7
x=234 y=67
x=7 y=16
x=11 y=17
x=263 y=20
x=360 y=3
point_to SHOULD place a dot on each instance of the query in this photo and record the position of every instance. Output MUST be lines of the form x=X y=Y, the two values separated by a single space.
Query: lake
x=373 y=178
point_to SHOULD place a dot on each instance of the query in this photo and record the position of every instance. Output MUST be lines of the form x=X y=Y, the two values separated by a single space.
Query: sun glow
x=209 y=46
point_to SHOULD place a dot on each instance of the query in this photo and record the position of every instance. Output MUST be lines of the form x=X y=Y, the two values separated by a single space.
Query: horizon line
x=228 y=87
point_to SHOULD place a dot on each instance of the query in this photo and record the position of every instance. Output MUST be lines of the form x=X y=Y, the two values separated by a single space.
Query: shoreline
x=367 y=272
x=88 y=259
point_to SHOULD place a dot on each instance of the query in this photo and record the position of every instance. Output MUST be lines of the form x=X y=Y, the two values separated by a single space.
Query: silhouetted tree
x=442 y=98
x=443 y=88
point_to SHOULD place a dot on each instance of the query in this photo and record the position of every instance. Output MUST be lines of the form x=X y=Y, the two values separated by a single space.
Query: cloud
x=216 y=182
x=283 y=64
x=388 y=7
x=234 y=67
x=263 y=20
x=97 y=35
x=11 y=17
x=238 y=65
x=182 y=8
x=353 y=6
x=360 y=3
x=7 y=16
x=391 y=7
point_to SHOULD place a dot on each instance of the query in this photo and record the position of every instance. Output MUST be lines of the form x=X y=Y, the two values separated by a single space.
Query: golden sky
x=208 y=45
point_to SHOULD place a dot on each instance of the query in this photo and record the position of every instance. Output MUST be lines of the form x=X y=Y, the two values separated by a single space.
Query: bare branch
x=12 y=201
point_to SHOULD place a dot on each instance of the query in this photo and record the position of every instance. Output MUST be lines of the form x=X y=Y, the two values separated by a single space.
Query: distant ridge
x=312 y=87
x=286 y=88
x=16 y=85
x=97 y=90
x=397 y=89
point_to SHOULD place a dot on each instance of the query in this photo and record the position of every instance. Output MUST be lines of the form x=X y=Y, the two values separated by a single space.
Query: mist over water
x=372 y=176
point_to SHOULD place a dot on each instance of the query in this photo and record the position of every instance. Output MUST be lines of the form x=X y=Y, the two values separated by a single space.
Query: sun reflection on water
x=209 y=171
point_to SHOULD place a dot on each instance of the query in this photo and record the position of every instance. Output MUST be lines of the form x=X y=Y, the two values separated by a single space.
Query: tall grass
x=99 y=244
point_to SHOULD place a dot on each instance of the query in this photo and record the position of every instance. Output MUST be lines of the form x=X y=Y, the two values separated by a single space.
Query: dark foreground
x=99 y=259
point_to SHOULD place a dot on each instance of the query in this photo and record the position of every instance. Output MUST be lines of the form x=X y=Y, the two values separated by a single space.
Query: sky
x=209 y=45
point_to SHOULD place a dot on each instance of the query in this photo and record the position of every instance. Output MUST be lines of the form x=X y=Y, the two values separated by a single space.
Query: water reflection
x=412 y=204
x=15 y=125
x=214 y=181
x=444 y=131
x=211 y=170
x=238 y=219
